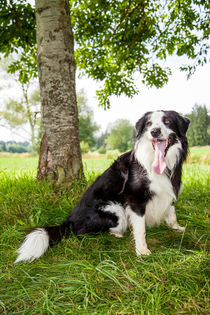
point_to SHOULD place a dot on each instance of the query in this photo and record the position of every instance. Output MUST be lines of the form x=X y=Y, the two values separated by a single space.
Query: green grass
x=199 y=155
x=19 y=163
x=200 y=150
x=12 y=162
x=100 y=274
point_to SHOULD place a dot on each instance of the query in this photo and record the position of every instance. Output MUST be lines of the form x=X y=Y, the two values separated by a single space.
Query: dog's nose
x=156 y=132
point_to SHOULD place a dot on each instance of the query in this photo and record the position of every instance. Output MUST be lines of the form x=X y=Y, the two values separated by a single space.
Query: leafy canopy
x=18 y=36
x=115 y=39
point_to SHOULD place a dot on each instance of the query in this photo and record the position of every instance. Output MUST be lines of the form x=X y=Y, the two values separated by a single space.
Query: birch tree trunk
x=60 y=157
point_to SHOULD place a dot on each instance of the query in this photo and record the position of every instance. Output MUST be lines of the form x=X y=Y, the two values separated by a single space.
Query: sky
x=179 y=94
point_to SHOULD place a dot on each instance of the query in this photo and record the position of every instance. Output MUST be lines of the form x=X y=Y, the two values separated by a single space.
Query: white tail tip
x=34 y=246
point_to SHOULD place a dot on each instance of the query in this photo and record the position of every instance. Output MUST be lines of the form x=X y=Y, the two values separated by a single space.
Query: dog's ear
x=141 y=124
x=183 y=124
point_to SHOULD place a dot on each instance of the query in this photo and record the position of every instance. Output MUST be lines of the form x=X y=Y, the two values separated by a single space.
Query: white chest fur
x=158 y=207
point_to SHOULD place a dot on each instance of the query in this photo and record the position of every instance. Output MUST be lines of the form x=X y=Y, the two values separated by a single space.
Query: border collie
x=137 y=190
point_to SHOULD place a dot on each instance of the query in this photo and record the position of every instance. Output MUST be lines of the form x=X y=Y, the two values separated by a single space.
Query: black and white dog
x=138 y=189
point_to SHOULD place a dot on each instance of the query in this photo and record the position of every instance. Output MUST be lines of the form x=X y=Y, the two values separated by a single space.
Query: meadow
x=100 y=274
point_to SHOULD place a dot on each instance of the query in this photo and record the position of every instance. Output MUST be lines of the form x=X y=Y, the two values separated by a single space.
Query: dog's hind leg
x=119 y=212
x=171 y=220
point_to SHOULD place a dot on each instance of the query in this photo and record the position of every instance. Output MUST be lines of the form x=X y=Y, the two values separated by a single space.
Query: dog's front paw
x=181 y=229
x=178 y=228
x=143 y=251
x=116 y=234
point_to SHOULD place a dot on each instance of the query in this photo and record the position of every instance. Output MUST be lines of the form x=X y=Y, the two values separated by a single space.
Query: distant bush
x=2 y=148
x=112 y=154
x=15 y=147
x=85 y=148
x=102 y=150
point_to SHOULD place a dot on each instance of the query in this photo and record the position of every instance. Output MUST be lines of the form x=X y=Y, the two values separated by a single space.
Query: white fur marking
x=157 y=122
x=172 y=156
x=171 y=220
x=144 y=153
x=157 y=208
x=34 y=246
x=139 y=232
x=119 y=211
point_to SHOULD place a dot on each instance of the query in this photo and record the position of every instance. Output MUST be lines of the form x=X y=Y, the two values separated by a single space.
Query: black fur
x=179 y=125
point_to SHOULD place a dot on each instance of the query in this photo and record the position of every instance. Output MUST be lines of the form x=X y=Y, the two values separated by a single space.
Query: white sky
x=179 y=94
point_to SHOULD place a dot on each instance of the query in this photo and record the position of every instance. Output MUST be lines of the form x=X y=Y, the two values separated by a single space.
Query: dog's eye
x=148 y=124
x=167 y=121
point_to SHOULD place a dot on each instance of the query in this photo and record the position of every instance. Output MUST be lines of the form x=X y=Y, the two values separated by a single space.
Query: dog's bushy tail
x=38 y=240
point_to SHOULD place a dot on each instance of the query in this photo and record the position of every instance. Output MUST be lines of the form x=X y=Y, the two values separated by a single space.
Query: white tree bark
x=60 y=157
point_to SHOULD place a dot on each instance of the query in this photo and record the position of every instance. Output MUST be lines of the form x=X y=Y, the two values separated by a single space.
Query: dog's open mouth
x=160 y=147
x=164 y=143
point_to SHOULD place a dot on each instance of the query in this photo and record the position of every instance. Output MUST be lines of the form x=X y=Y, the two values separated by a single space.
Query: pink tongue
x=159 y=163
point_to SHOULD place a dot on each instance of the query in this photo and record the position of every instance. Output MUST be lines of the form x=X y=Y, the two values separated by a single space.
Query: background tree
x=101 y=141
x=87 y=126
x=121 y=135
x=199 y=126
x=3 y=146
x=17 y=114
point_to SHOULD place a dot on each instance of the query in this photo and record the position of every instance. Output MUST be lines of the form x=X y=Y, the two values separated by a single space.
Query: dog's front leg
x=137 y=223
x=171 y=220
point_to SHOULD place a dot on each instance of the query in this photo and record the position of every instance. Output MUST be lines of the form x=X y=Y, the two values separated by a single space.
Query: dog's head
x=160 y=131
